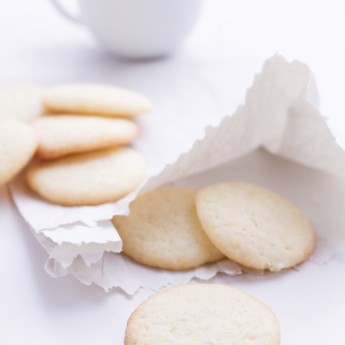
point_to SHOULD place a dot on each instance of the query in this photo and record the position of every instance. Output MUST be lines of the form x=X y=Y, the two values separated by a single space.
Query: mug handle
x=72 y=17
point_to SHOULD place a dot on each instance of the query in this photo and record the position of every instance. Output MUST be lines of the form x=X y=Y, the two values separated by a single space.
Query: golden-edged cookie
x=88 y=178
x=21 y=102
x=95 y=99
x=65 y=134
x=163 y=231
x=254 y=226
x=202 y=314
x=17 y=145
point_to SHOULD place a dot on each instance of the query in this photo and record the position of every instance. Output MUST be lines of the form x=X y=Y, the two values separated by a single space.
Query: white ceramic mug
x=137 y=28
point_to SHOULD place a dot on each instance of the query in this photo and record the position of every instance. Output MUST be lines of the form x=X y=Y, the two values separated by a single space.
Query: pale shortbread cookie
x=163 y=231
x=88 y=178
x=94 y=99
x=17 y=145
x=254 y=226
x=62 y=135
x=202 y=314
x=21 y=102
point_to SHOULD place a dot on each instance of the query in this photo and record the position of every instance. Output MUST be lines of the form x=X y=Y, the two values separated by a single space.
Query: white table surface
x=227 y=47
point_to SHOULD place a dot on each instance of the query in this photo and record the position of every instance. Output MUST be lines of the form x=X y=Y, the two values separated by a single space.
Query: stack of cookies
x=79 y=142
x=183 y=228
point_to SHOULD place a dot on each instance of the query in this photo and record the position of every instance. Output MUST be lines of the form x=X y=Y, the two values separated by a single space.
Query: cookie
x=21 y=102
x=93 y=99
x=17 y=145
x=202 y=314
x=163 y=231
x=63 y=135
x=88 y=178
x=254 y=226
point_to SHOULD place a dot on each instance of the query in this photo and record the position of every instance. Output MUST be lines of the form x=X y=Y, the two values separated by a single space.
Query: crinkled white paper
x=277 y=139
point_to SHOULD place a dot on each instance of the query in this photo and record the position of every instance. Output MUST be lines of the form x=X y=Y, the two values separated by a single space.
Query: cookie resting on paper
x=254 y=226
x=88 y=178
x=163 y=231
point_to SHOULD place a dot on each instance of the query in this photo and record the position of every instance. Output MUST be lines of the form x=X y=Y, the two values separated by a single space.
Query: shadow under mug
x=137 y=29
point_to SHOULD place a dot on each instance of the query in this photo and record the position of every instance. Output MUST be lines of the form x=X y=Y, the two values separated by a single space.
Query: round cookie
x=17 y=145
x=163 y=231
x=62 y=135
x=202 y=314
x=21 y=102
x=94 y=99
x=254 y=226
x=88 y=178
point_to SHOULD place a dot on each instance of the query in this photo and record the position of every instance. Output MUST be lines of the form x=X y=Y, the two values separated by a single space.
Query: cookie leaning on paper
x=62 y=135
x=254 y=226
x=163 y=231
x=17 y=145
x=88 y=178
x=21 y=102
x=94 y=99
x=202 y=314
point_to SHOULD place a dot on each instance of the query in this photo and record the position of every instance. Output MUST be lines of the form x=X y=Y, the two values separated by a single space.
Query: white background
x=227 y=47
